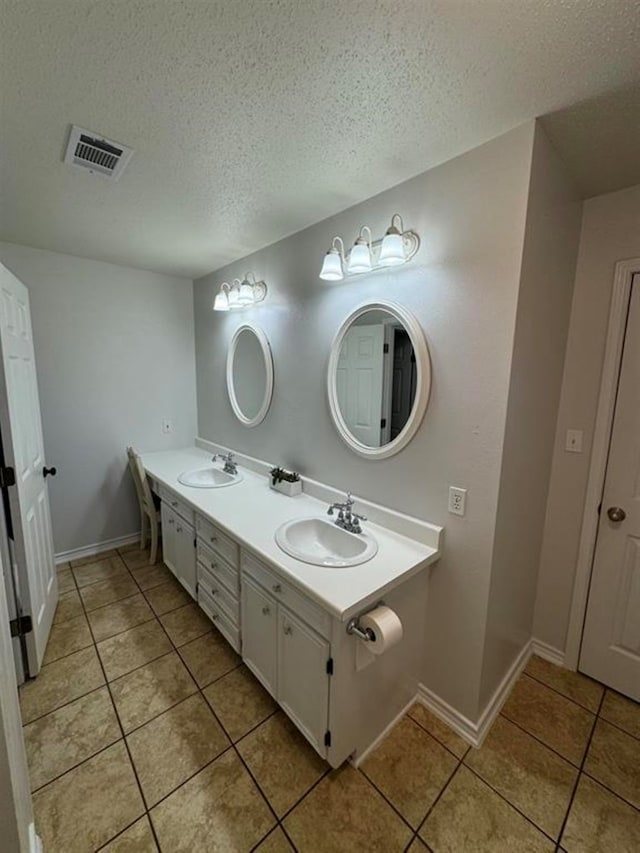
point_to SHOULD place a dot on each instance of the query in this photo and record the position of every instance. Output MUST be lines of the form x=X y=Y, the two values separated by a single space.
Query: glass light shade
x=392 y=249
x=221 y=302
x=332 y=266
x=360 y=257
x=234 y=293
x=245 y=293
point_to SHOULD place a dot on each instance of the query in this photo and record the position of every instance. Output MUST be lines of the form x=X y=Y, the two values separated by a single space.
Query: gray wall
x=544 y=305
x=463 y=288
x=610 y=233
x=115 y=354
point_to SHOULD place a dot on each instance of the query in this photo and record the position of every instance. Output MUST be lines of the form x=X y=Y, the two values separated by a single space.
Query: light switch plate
x=457 y=500
x=573 y=443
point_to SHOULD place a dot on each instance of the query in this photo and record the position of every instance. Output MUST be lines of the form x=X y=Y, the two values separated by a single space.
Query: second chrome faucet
x=347 y=519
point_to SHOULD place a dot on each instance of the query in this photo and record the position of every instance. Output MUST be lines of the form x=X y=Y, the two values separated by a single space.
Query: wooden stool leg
x=143 y=531
x=153 y=522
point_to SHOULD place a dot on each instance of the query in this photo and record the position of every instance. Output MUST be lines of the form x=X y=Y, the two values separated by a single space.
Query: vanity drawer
x=285 y=592
x=219 y=619
x=219 y=593
x=218 y=541
x=176 y=503
x=219 y=567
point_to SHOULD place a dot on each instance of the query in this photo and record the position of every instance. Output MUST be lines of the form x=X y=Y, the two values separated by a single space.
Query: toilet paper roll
x=386 y=627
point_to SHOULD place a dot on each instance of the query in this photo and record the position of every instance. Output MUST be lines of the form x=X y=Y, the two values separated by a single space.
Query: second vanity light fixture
x=240 y=293
x=396 y=247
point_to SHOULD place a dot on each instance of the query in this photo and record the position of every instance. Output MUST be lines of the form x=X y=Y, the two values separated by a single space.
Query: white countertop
x=251 y=512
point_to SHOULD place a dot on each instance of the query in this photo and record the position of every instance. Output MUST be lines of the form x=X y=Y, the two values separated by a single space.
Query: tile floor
x=144 y=731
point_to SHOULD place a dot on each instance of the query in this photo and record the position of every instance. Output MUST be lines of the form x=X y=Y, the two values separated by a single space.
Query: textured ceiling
x=251 y=119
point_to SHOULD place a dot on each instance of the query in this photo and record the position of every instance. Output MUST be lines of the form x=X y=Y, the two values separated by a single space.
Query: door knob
x=49 y=471
x=616 y=513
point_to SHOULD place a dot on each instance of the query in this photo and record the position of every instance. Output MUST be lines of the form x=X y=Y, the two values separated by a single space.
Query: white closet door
x=359 y=382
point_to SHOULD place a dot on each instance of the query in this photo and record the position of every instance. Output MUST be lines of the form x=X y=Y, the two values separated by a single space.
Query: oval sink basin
x=208 y=478
x=322 y=543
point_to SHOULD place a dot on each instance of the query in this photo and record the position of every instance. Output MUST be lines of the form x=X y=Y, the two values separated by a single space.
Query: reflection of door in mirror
x=404 y=381
x=359 y=382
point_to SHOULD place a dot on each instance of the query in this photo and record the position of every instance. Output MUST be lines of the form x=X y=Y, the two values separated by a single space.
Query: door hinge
x=383 y=423
x=330 y=666
x=327 y=738
x=20 y=626
x=7 y=477
x=194 y=543
x=385 y=349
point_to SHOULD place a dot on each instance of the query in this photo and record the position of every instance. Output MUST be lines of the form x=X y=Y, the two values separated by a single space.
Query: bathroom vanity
x=288 y=618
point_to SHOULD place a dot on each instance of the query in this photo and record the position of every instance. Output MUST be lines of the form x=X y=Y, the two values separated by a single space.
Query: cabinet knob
x=266 y=610
x=214 y=538
x=215 y=616
x=214 y=592
x=179 y=529
x=277 y=587
x=171 y=521
x=288 y=630
x=213 y=565
x=174 y=503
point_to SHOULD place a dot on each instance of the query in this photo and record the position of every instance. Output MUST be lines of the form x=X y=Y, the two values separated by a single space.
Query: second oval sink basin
x=208 y=478
x=322 y=543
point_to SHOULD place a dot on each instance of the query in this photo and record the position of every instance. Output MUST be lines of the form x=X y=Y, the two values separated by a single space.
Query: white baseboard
x=35 y=842
x=96 y=548
x=550 y=653
x=357 y=761
x=475 y=732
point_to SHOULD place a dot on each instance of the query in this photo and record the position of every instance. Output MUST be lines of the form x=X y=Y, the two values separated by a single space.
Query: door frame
x=621 y=294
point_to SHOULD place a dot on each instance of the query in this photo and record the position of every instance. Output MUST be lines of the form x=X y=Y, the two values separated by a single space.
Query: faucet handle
x=358 y=516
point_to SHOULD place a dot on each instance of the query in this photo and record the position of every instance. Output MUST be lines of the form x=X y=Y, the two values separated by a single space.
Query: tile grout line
x=540 y=741
x=564 y=695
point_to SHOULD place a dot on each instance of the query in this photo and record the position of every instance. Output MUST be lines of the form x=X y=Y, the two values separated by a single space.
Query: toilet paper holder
x=366 y=634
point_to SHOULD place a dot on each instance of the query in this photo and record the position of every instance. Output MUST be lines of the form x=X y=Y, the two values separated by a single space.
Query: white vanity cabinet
x=218 y=578
x=285 y=644
x=178 y=540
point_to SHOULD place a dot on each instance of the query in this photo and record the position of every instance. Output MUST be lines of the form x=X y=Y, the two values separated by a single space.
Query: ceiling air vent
x=88 y=150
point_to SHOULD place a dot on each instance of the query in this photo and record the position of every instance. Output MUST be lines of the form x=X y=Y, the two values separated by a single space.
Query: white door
x=611 y=640
x=259 y=633
x=186 y=556
x=303 y=681
x=359 y=382
x=32 y=543
x=168 y=518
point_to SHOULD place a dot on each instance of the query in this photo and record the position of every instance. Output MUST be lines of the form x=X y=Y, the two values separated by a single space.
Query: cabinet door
x=259 y=633
x=303 y=681
x=186 y=556
x=169 y=542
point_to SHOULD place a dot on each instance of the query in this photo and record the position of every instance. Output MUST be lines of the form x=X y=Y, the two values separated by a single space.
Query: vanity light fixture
x=240 y=293
x=395 y=248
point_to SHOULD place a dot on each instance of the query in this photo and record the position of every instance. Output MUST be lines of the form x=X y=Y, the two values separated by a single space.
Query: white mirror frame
x=423 y=380
x=268 y=364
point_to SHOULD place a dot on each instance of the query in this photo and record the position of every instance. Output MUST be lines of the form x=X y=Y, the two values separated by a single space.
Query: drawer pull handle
x=215 y=616
x=174 y=503
x=213 y=565
x=266 y=610
x=171 y=521
x=288 y=630
x=214 y=592
x=277 y=587
x=214 y=538
x=179 y=529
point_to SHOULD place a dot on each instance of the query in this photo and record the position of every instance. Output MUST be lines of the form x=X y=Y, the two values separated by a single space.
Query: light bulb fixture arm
x=340 y=248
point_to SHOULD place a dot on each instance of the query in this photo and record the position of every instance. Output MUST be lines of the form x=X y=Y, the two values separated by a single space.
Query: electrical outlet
x=457 y=500
x=573 y=442
x=167 y=426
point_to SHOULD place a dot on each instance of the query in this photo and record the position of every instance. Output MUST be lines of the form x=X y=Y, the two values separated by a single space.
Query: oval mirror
x=249 y=374
x=379 y=379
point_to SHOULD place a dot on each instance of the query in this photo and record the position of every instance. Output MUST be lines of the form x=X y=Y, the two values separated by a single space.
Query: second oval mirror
x=379 y=379
x=249 y=374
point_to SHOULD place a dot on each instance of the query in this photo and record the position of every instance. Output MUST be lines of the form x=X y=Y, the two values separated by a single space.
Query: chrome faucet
x=347 y=519
x=230 y=467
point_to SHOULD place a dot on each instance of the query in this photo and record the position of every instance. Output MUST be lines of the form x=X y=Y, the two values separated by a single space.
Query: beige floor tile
x=573 y=685
x=440 y=731
x=150 y=576
x=275 y=842
x=126 y=549
x=137 y=839
x=67 y=637
x=106 y=592
x=62 y=567
x=345 y=812
x=69 y=607
x=60 y=740
x=533 y=778
x=471 y=818
x=137 y=559
x=417 y=846
x=93 y=558
x=132 y=648
x=185 y=624
x=558 y=722
x=600 y=822
x=101 y=570
x=86 y=807
x=153 y=688
x=209 y=657
x=622 y=712
x=410 y=768
x=174 y=746
x=167 y=596
x=614 y=760
x=120 y=616
x=66 y=582
x=220 y=809
x=283 y=764
x=60 y=682
x=239 y=701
